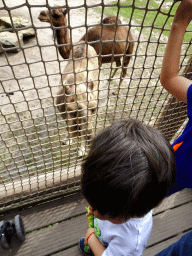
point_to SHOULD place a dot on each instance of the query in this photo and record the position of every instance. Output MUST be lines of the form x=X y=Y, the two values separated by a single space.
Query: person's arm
x=170 y=79
x=93 y=242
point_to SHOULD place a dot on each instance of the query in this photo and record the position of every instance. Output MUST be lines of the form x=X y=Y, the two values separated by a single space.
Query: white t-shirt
x=129 y=238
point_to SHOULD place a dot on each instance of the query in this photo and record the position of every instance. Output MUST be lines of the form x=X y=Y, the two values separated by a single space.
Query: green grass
x=148 y=16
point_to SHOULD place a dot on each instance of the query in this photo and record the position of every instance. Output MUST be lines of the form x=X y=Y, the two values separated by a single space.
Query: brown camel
x=77 y=95
x=117 y=40
x=175 y=111
x=57 y=17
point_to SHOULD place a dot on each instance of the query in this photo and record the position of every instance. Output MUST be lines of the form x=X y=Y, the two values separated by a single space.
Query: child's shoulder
x=132 y=235
x=131 y=224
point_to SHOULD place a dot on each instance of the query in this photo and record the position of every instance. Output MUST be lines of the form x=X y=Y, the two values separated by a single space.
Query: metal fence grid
x=35 y=163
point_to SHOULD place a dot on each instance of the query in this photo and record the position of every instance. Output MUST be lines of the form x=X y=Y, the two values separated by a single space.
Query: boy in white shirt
x=128 y=172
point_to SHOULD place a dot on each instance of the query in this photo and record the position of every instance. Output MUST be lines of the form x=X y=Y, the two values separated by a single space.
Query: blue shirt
x=183 y=149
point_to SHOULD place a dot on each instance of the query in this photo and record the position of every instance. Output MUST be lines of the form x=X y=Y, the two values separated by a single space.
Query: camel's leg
x=79 y=126
x=100 y=62
x=81 y=145
x=128 y=56
x=118 y=64
x=81 y=137
x=67 y=141
x=85 y=130
x=126 y=61
x=75 y=131
x=93 y=102
x=116 y=92
x=71 y=128
x=89 y=127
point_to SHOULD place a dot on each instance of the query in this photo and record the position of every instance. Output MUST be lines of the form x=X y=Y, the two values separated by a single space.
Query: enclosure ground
x=54 y=227
x=32 y=129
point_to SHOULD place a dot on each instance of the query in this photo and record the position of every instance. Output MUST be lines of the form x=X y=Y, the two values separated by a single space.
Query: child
x=181 y=88
x=128 y=172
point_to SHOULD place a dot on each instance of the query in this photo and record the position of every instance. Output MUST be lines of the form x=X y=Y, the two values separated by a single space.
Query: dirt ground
x=32 y=129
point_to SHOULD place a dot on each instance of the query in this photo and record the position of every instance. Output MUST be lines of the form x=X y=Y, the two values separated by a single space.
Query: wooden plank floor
x=54 y=227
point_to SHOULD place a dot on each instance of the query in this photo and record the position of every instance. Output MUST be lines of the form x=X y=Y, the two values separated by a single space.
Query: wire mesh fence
x=59 y=85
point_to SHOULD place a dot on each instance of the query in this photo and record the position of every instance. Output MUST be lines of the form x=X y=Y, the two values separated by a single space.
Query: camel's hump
x=111 y=20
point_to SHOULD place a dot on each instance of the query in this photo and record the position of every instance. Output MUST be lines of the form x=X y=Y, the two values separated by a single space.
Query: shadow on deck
x=54 y=227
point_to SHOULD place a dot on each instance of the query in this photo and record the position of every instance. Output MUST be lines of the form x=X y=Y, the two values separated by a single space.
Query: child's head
x=128 y=171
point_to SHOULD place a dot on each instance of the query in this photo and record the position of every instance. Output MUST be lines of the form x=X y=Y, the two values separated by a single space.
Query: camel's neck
x=63 y=38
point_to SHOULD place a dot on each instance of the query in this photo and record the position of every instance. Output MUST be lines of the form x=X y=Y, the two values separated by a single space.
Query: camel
x=117 y=40
x=78 y=93
x=57 y=17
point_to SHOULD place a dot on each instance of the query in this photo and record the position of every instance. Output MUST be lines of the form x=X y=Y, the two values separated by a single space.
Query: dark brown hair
x=129 y=170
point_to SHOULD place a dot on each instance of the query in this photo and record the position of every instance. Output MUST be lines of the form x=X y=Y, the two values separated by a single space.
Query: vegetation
x=150 y=13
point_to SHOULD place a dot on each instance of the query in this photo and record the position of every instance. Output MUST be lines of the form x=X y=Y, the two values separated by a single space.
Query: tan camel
x=78 y=93
x=175 y=111
x=117 y=40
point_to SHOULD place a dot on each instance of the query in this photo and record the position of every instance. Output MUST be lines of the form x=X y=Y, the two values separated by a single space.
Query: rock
x=10 y=40
x=2 y=27
x=27 y=32
x=18 y=23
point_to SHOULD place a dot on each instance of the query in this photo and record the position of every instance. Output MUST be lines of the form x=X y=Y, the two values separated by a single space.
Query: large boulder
x=9 y=38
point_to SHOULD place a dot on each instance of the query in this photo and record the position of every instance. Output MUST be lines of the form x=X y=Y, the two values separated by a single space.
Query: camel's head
x=57 y=17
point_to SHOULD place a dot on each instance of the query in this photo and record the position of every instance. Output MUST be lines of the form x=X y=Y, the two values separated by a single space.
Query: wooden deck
x=54 y=227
